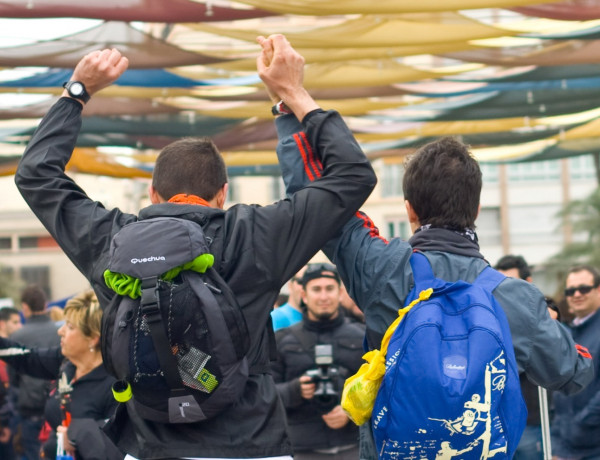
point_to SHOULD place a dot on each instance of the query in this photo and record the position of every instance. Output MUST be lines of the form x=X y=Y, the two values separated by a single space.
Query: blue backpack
x=451 y=386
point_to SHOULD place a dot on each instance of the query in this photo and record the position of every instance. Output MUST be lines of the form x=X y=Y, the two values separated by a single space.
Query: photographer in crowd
x=315 y=356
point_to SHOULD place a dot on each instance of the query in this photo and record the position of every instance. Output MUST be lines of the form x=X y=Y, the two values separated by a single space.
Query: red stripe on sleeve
x=583 y=351
x=314 y=161
x=298 y=141
x=368 y=223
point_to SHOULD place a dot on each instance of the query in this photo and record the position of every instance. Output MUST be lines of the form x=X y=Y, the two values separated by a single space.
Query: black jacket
x=38 y=331
x=576 y=424
x=91 y=400
x=296 y=355
x=257 y=249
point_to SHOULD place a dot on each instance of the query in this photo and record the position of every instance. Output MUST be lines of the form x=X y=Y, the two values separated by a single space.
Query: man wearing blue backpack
x=442 y=185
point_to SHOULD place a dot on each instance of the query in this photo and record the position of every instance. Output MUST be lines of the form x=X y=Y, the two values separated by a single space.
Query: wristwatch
x=280 y=109
x=77 y=90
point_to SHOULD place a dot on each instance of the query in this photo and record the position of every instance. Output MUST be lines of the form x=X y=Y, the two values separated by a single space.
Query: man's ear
x=26 y=310
x=221 y=196
x=413 y=219
x=412 y=215
x=303 y=295
x=155 y=197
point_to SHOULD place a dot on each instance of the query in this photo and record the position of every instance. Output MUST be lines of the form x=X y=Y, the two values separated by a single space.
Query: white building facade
x=519 y=207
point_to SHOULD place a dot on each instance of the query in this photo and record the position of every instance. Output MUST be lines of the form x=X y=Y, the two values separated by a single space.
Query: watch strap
x=84 y=96
x=280 y=109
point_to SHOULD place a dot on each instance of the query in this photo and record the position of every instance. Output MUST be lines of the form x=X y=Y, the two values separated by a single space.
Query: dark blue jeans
x=530 y=447
x=30 y=432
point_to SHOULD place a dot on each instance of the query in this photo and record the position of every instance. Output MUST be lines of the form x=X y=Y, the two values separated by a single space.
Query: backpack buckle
x=149 y=302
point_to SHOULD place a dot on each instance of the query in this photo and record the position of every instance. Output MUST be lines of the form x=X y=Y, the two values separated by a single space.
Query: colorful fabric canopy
x=570 y=10
x=142 y=50
x=127 y=10
x=518 y=88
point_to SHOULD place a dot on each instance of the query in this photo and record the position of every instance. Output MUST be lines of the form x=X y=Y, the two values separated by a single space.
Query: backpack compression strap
x=150 y=305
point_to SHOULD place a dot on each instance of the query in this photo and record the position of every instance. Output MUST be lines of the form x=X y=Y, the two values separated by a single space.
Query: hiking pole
x=545 y=423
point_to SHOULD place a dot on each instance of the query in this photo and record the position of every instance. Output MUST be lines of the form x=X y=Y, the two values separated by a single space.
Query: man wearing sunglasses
x=576 y=425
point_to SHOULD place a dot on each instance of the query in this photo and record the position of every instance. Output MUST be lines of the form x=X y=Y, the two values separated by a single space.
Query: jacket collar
x=445 y=240
x=193 y=212
x=324 y=325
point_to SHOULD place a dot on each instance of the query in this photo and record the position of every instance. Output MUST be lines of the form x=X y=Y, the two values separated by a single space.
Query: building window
x=397 y=227
x=277 y=188
x=489 y=173
x=37 y=242
x=487 y=225
x=39 y=275
x=232 y=192
x=5 y=243
x=534 y=171
x=535 y=224
x=391 y=183
x=582 y=167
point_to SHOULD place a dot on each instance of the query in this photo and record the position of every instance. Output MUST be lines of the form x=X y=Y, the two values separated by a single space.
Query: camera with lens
x=326 y=378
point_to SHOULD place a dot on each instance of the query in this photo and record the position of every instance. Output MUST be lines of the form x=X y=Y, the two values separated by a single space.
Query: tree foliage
x=9 y=287
x=583 y=217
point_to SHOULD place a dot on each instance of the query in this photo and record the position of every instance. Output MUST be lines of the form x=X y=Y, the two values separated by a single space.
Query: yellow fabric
x=511 y=152
x=360 y=390
x=323 y=55
x=90 y=161
x=374 y=31
x=320 y=7
x=590 y=129
x=366 y=72
x=449 y=128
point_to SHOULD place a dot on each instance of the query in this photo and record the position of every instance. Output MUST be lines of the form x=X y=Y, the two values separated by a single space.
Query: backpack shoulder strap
x=423 y=275
x=421 y=268
x=151 y=310
x=489 y=279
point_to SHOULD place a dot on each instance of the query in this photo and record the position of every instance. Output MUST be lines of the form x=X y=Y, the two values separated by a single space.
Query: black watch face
x=76 y=89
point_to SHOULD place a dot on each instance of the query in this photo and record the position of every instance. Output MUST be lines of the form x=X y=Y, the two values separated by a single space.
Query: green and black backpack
x=173 y=335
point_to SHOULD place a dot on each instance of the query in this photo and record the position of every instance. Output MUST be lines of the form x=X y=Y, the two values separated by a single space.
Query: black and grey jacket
x=257 y=249
x=295 y=356
x=38 y=331
x=576 y=424
x=90 y=401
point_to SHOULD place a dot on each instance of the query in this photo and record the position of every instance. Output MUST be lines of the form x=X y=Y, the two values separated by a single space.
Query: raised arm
x=359 y=252
x=343 y=176
x=80 y=225
x=43 y=363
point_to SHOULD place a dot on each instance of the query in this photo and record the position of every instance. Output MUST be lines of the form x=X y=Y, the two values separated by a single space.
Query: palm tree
x=9 y=288
x=583 y=216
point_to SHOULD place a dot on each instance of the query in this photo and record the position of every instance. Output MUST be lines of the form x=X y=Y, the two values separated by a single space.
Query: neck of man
x=38 y=313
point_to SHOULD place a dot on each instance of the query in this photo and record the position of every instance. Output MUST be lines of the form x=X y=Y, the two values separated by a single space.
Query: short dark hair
x=34 y=297
x=442 y=182
x=191 y=166
x=512 y=261
x=7 y=312
x=586 y=268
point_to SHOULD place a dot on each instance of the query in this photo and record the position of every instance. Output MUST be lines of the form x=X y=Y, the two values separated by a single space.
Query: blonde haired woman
x=82 y=399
